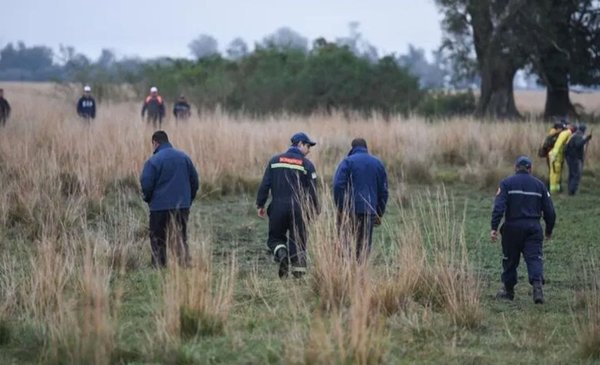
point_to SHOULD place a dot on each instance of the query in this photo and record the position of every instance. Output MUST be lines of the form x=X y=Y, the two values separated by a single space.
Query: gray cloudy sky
x=151 y=28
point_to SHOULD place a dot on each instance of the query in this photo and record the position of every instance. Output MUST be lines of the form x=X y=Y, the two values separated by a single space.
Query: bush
x=447 y=104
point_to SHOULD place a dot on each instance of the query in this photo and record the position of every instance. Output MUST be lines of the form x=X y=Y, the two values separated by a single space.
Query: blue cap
x=582 y=128
x=523 y=161
x=302 y=137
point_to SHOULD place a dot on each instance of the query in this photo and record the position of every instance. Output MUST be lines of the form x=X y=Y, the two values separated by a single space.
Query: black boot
x=506 y=293
x=538 y=293
x=281 y=256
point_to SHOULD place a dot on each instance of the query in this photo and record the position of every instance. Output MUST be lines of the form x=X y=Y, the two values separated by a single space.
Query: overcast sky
x=150 y=28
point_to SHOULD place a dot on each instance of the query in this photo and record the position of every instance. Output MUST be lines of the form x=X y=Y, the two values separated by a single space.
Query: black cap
x=302 y=137
x=523 y=161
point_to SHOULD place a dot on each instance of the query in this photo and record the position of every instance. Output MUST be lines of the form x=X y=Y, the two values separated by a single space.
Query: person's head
x=153 y=90
x=572 y=128
x=87 y=90
x=302 y=141
x=560 y=125
x=181 y=97
x=359 y=142
x=582 y=128
x=159 y=137
x=523 y=163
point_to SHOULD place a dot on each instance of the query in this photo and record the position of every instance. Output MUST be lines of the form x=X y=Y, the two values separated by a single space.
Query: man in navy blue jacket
x=292 y=181
x=86 y=106
x=522 y=200
x=169 y=184
x=360 y=191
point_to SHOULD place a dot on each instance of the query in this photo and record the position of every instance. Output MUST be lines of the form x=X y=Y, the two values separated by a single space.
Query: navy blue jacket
x=290 y=177
x=169 y=179
x=522 y=196
x=86 y=107
x=364 y=177
x=576 y=145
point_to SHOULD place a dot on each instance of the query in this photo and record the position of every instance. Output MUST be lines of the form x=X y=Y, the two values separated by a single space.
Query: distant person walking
x=360 y=192
x=556 y=156
x=522 y=200
x=155 y=107
x=4 y=109
x=292 y=181
x=169 y=183
x=574 y=153
x=86 y=106
x=182 y=110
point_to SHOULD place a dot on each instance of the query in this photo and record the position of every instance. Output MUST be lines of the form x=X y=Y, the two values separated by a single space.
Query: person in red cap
x=292 y=181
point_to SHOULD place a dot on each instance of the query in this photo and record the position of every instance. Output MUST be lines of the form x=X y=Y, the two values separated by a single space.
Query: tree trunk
x=497 y=98
x=555 y=68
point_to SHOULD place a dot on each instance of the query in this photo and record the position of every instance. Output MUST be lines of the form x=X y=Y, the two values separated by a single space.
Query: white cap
x=87 y=88
x=153 y=89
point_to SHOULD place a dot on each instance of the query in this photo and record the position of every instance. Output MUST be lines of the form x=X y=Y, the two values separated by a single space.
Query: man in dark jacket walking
x=292 y=181
x=169 y=184
x=182 y=109
x=360 y=192
x=4 y=109
x=574 y=152
x=155 y=107
x=86 y=106
x=522 y=200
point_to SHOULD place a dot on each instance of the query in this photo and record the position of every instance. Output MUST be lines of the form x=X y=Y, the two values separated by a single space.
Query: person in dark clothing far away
x=86 y=106
x=522 y=200
x=155 y=107
x=4 y=109
x=574 y=153
x=182 y=109
x=292 y=181
x=360 y=191
x=169 y=183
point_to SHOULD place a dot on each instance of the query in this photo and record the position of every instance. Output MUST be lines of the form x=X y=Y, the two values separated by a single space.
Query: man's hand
x=262 y=212
x=377 y=221
x=494 y=235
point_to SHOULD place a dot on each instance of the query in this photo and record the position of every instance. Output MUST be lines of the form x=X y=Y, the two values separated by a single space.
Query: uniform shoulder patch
x=293 y=161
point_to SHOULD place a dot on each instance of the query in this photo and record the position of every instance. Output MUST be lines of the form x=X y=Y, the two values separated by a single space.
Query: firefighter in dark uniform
x=522 y=200
x=292 y=180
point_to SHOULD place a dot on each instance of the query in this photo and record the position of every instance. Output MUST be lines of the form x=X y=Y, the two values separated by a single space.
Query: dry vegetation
x=74 y=250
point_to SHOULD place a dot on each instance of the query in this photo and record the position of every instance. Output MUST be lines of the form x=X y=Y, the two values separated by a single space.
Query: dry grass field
x=76 y=286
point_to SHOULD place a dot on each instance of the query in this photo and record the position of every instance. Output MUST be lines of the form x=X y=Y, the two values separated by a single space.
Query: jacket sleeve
x=148 y=181
x=548 y=211
x=93 y=108
x=312 y=188
x=340 y=184
x=499 y=206
x=162 y=109
x=382 y=191
x=561 y=141
x=144 y=106
x=194 y=179
x=79 y=107
x=264 y=188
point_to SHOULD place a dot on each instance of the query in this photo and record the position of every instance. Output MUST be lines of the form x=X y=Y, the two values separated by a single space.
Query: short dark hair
x=160 y=137
x=359 y=142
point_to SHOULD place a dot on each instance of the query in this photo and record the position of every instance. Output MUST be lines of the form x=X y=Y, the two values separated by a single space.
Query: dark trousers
x=575 y=170
x=522 y=237
x=156 y=120
x=2 y=121
x=287 y=229
x=356 y=231
x=168 y=230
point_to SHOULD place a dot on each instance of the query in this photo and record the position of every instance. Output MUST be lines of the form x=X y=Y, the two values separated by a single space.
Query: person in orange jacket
x=155 y=106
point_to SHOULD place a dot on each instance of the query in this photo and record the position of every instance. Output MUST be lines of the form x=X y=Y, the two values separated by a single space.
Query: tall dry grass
x=587 y=324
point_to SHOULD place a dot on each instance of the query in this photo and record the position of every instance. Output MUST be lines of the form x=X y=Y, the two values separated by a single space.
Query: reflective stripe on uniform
x=288 y=166
x=521 y=192
x=277 y=248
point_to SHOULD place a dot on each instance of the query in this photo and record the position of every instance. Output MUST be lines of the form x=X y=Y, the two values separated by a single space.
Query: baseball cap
x=153 y=89
x=582 y=127
x=87 y=88
x=302 y=137
x=523 y=161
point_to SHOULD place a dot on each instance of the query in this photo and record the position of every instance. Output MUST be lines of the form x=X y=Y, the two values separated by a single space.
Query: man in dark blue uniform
x=574 y=153
x=522 y=199
x=360 y=192
x=86 y=106
x=292 y=181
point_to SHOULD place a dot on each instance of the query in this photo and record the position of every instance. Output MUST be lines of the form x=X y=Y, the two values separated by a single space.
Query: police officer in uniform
x=292 y=180
x=522 y=199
